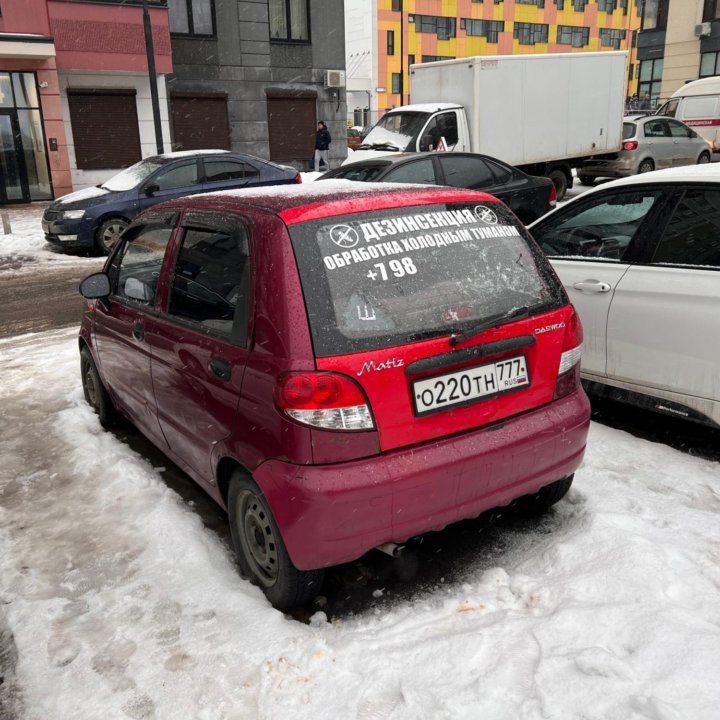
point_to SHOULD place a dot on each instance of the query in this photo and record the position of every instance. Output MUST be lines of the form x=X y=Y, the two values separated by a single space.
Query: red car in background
x=340 y=365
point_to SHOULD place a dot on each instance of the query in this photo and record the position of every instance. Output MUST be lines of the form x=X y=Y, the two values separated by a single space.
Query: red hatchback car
x=340 y=366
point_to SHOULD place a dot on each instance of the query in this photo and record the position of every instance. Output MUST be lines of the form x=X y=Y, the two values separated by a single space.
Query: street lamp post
x=152 y=76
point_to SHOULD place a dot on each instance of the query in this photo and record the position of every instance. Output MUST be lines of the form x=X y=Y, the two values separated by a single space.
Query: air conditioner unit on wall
x=703 y=29
x=334 y=79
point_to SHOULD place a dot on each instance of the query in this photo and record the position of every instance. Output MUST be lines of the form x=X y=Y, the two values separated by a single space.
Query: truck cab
x=416 y=128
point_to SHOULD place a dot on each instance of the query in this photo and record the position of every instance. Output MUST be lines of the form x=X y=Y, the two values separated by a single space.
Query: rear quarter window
x=375 y=280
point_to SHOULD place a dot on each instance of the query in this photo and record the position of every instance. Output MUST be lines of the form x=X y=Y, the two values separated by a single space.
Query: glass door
x=11 y=188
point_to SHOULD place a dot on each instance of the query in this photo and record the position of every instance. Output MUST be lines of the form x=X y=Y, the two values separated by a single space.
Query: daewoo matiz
x=340 y=365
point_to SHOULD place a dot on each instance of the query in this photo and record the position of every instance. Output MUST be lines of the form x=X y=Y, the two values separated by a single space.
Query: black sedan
x=94 y=218
x=527 y=196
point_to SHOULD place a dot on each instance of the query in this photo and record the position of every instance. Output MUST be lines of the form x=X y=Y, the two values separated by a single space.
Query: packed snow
x=121 y=604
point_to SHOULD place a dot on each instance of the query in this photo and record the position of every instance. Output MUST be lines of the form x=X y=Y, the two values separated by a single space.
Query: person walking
x=322 y=146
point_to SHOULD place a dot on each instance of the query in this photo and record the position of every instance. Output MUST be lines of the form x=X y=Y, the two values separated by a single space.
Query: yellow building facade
x=415 y=31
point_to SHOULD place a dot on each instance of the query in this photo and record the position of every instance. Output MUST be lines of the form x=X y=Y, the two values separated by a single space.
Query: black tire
x=704 y=158
x=586 y=180
x=647 y=165
x=95 y=393
x=260 y=550
x=109 y=232
x=544 y=499
x=560 y=182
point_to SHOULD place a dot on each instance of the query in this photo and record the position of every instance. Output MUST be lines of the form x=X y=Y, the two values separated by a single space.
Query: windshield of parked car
x=629 y=130
x=131 y=177
x=395 y=131
x=391 y=277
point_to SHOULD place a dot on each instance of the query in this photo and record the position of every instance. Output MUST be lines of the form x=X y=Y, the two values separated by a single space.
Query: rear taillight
x=553 y=195
x=298 y=178
x=324 y=400
x=569 y=370
x=630 y=145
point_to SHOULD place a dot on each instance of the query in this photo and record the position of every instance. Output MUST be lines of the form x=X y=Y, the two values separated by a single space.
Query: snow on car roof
x=426 y=107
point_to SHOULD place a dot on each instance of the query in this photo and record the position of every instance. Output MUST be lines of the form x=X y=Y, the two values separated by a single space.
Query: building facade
x=417 y=31
x=74 y=93
x=679 y=41
x=256 y=76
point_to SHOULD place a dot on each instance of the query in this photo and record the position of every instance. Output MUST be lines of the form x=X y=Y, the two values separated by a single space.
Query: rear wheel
x=646 y=165
x=95 y=393
x=260 y=550
x=560 y=182
x=109 y=233
x=586 y=179
x=545 y=498
x=704 y=158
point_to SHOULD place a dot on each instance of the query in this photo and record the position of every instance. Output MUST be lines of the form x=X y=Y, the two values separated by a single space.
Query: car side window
x=503 y=174
x=223 y=170
x=135 y=268
x=679 y=130
x=466 y=172
x=692 y=236
x=600 y=228
x=441 y=126
x=177 y=176
x=656 y=128
x=211 y=281
x=419 y=172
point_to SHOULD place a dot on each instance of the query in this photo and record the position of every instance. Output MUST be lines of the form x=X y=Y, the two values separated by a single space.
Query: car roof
x=425 y=107
x=706 y=173
x=311 y=201
x=400 y=157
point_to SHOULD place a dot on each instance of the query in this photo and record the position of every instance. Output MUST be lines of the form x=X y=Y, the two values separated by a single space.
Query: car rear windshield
x=629 y=130
x=361 y=173
x=392 y=277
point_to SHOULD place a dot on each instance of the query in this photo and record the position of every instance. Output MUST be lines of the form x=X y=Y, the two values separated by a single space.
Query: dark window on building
x=709 y=64
x=105 y=129
x=538 y=3
x=488 y=29
x=291 y=128
x=396 y=84
x=711 y=10
x=650 y=80
x=289 y=20
x=390 y=42
x=691 y=236
x=200 y=121
x=397 y=5
x=411 y=60
x=624 y=5
x=579 y=5
x=610 y=37
x=191 y=17
x=560 y=4
x=572 y=35
x=607 y=6
x=530 y=33
x=443 y=27
x=654 y=14
x=211 y=282
x=436 y=58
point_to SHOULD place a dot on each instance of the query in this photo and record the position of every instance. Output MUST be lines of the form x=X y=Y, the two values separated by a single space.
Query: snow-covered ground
x=122 y=605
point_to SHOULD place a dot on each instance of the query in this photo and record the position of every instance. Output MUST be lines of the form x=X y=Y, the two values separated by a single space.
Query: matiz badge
x=372 y=366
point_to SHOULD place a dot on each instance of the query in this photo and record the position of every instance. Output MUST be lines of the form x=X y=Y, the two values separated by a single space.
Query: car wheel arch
x=224 y=470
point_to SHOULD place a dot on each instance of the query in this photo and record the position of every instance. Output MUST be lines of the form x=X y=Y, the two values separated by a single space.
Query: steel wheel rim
x=703 y=160
x=112 y=234
x=90 y=388
x=258 y=538
x=645 y=167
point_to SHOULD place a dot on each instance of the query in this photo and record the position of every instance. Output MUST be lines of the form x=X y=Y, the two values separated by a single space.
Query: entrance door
x=14 y=186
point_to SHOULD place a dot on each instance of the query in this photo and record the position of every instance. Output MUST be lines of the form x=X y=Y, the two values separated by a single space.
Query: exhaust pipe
x=391 y=549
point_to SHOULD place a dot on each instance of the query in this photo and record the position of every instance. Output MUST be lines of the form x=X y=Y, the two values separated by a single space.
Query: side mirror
x=151 y=189
x=426 y=142
x=95 y=286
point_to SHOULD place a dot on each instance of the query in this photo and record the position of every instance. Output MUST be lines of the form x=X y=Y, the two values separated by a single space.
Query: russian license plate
x=465 y=386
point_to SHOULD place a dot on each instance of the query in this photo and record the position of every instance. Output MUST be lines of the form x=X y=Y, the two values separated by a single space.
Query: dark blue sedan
x=93 y=219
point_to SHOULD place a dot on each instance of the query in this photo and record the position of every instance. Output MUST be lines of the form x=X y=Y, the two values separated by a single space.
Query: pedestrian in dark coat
x=322 y=146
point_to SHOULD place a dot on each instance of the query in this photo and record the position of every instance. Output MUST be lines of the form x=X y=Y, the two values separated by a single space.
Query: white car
x=640 y=259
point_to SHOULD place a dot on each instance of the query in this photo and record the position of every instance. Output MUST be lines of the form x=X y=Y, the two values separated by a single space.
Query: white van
x=697 y=104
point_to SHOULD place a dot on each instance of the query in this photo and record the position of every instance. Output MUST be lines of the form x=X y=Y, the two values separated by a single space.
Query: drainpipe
x=152 y=76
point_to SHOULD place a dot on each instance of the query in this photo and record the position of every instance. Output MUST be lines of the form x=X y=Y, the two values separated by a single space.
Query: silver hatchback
x=649 y=143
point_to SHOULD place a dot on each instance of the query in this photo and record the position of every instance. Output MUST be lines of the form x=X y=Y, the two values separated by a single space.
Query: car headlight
x=73 y=214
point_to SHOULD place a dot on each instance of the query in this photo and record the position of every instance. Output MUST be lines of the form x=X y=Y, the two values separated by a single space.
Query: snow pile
x=122 y=605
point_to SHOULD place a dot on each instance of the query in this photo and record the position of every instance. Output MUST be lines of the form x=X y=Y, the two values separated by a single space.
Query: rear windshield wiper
x=459 y=336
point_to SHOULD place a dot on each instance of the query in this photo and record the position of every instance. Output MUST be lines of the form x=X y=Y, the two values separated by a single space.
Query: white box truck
x=542 y=113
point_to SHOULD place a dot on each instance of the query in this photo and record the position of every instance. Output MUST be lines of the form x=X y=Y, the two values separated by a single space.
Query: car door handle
x=138 y=331
x=592 y=286
x=221 y=368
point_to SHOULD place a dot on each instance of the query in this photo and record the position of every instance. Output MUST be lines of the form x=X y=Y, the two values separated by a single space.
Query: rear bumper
x=332 y=514
x=622 y=167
